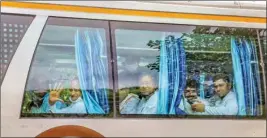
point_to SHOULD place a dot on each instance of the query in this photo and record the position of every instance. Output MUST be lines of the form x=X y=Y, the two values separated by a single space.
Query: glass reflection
x=69 y=76
x=204 y=71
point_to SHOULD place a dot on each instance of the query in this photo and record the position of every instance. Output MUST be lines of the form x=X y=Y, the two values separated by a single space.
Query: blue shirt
x=76 y=107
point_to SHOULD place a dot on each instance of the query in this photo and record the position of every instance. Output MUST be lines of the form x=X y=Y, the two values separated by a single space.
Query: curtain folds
x=172 y=76
x=246 y=76
x=92 y=71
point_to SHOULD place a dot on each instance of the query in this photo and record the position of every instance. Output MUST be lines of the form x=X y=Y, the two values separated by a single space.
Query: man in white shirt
x=77 y=105
x=132 y=104
x=190 y=97
x=225 y=100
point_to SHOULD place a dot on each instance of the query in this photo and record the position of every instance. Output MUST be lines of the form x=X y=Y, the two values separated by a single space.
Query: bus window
x=70 y=71
x=13 y=28
x=177 y=70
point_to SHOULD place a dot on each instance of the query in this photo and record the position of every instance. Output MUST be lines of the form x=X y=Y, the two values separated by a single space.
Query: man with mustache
x=190 y=97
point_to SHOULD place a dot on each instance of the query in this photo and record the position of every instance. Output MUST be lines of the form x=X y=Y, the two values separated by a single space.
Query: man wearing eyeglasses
x=226 y=101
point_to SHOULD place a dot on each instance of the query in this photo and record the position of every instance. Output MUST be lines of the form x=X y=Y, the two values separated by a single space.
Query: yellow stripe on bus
x=71 y=8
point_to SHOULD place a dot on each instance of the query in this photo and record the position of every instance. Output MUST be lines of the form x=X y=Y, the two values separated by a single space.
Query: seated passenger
x=77 y=105
x=223 y=103
x=147 y=103
x=190 y=97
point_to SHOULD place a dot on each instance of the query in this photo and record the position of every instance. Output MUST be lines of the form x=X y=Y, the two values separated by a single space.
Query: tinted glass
x=70 y=71
x=187 y=70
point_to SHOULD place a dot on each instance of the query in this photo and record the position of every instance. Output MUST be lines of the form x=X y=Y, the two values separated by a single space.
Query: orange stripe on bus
x=131 y=12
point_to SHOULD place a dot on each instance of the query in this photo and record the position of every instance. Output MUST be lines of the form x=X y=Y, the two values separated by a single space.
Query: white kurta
x=133 y=105
x=187 y=107
x=148 y=106
x=214 y=106
x=226 y=106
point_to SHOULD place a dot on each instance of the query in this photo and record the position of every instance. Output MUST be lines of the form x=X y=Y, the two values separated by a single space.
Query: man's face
x=190 y=93
x=221 y=87
x=147 y=85
x=75 y=91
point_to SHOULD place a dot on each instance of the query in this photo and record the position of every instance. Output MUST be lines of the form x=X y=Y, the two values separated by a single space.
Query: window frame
x=165 y=28
x=73 y=22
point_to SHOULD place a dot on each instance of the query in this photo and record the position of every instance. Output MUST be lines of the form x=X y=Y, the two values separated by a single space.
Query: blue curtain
x=249 y=81
x=171 y=76
x=201 y=85
x=238 y=86
x=253 y=77
x=211 y=87
x=163 y=94
x=247 y=78
x=91 y=71
x=256 y=77
x=182 y=77
x=100 y=67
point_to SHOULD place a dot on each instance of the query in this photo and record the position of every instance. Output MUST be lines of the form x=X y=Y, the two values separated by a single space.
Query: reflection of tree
x=127 y=90
x=207 y=48
x=27 y=102
x=33 y=100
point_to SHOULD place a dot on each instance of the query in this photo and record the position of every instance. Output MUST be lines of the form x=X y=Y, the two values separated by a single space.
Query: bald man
x=77 y=105
x=147 y=104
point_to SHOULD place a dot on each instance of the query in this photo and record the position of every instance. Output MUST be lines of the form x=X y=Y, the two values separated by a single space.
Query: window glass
x=70 y=71
x=10 y=37
x=187 y=70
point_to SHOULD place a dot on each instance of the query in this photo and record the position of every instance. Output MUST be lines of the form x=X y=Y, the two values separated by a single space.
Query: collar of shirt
x=226 y=97
x=77 y=100
x=151 y=99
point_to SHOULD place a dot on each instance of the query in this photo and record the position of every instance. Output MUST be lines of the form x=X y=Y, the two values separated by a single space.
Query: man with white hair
x=77 y=105
x=146 y=102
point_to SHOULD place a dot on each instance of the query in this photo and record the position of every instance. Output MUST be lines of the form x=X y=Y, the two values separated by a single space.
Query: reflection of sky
x=57 y=42
x=134 y=42
x=140 y=38
x=55 y=56
x=64 y=35
x=57 y=46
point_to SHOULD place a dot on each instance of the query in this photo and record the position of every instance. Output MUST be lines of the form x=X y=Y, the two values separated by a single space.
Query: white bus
x=133 y=68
